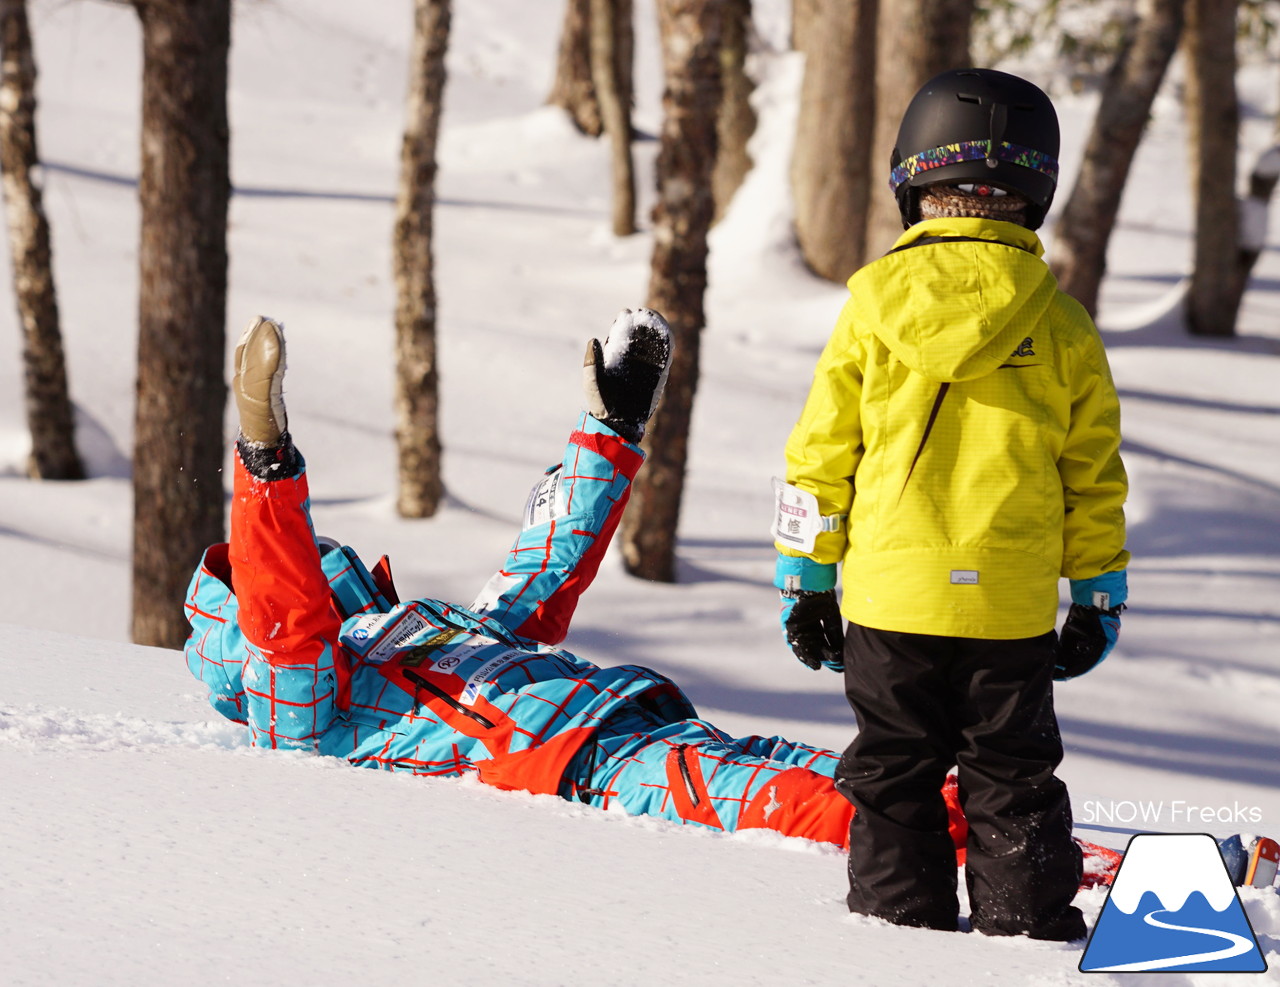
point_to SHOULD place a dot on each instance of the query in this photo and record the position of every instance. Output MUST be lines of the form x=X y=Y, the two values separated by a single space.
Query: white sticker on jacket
x=395 y=637
x=964 y=577
x=364 y=629
x=456 y=654
x=486 y=672
x=544 y=503
x=796 y=521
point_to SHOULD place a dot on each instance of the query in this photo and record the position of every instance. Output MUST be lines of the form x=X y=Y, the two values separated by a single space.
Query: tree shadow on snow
x=822 y=701
x=331 y=195
x=1200 y=404
x=1247 y=761
x=1160 y=322
x=1243 y=526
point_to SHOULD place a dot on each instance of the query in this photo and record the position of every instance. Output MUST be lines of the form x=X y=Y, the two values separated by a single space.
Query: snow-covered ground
x=143 y=843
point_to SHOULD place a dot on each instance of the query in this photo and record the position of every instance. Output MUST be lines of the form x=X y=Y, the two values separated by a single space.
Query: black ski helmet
x=982 y=126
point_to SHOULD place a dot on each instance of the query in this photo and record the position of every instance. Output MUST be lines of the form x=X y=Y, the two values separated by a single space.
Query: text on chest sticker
x=486 y=672
x=396 y=636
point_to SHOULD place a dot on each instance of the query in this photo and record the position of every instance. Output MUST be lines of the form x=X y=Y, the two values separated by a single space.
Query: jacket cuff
x=1112 y=588
x=799 y=573
x=595 y=435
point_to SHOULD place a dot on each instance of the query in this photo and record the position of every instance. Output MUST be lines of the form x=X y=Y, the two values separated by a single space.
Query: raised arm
x=573 y=511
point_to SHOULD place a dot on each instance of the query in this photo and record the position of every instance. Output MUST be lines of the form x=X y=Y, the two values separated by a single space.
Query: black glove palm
x=814 y=628
x=1087 y=637
x=623 y=378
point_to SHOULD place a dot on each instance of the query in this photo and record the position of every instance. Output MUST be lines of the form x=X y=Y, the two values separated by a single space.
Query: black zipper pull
x=444 y=697
x=682 y=751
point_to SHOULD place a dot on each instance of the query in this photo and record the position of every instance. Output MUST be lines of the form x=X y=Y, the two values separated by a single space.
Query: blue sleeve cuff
x=1115 y=586
x=798 y=572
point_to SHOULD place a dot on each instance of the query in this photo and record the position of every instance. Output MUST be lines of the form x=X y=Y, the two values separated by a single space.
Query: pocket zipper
x=444 y=697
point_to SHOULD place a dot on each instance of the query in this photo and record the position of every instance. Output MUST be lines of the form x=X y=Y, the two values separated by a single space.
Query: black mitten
x=1088 y=635
x=814 y=628
x=623 y=377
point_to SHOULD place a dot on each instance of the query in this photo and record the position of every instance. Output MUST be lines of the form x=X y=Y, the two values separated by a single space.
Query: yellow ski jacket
x=963 y=416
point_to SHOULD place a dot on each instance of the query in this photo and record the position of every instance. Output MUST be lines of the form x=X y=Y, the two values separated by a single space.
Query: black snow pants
x=924 y=704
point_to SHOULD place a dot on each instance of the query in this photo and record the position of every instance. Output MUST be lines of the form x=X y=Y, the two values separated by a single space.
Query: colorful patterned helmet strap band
x=949 y=154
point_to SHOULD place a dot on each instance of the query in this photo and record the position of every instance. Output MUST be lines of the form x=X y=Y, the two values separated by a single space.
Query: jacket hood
x=955 y=309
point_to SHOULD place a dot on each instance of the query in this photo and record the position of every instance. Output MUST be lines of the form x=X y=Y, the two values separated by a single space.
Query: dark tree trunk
x=1214 y=295
x=573 y=89
x=1084 y=229
x=737 y=118
x=691 y=42
x=417 y=374
x=183 y=189
x=50 y=417
x=831 y=168
x=916 y=39
x=609 y=20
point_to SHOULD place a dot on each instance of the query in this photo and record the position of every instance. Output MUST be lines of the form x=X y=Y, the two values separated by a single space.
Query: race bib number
x=545 y=503
x=796 y=521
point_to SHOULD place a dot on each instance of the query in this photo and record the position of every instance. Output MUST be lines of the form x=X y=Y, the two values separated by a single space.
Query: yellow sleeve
x=1094 y=483
x=825 y=446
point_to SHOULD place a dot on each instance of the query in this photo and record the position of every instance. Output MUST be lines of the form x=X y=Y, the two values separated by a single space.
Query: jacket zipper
x=682 y=755
x=444 y=697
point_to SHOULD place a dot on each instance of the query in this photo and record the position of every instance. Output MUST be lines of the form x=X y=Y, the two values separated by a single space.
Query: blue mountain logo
x=1172 y=908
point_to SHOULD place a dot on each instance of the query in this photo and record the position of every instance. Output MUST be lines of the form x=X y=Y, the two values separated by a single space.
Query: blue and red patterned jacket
x=424 y=686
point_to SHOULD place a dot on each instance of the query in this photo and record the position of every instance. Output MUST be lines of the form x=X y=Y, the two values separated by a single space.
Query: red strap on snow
x=1100 y=865
x=957 y=824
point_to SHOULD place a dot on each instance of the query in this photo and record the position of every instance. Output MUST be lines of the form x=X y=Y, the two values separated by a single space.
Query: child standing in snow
x=958 y=454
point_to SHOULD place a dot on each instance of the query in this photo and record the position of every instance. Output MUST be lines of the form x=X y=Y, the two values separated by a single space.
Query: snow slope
x=145 y=844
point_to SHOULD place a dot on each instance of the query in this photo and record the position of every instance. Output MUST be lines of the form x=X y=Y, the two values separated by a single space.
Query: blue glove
x=810 y=615
x=1092 y=626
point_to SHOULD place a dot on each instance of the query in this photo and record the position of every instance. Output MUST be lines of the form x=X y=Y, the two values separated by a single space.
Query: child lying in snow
x=308 y=648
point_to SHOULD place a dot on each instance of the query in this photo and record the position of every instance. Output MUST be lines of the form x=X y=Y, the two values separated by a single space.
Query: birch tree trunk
x=573 y=89
x=1085 y=226
x=831 y=167
x=608 y=19
x=183 y=188
x=692 y=38
x=737 y=118
x=417 y=374
x=50 y=417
